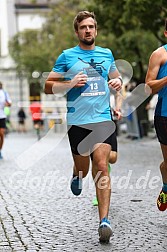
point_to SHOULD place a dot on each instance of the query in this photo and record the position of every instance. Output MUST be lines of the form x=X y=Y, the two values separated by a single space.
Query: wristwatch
x=120 y=77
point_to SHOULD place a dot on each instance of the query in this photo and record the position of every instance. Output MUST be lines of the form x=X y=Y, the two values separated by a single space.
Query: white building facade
x=16 y=16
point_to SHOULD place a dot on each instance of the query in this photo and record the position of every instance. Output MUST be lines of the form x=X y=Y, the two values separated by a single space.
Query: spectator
x=21 y=120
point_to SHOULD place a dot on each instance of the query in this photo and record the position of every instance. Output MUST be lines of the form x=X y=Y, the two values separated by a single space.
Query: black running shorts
x=82 y=138
x=160 y=123
x=3 y=123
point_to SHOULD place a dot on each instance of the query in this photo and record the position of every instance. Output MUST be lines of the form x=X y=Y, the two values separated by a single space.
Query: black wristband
x=120 y=79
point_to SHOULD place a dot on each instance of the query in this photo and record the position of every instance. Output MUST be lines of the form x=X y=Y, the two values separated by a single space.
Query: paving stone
x=39 y=213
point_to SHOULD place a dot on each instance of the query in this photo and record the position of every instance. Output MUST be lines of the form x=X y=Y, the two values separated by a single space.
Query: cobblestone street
x=38 y=212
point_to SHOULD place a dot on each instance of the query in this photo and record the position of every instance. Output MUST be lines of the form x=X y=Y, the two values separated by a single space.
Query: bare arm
x=118 y=100
x=8 y=101
x=152 y=72
x=116 y=84
x=8 y=104
x=55 y=82
x=118 y=105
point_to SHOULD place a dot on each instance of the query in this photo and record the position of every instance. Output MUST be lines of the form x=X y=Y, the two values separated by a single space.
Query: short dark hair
x=81 y=16
x=166 y=24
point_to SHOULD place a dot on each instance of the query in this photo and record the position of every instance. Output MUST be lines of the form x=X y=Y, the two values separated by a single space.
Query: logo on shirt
x=95 y=82
x=94 y=68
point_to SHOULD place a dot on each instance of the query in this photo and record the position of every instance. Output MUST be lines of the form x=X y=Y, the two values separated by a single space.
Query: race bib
x=94 y=86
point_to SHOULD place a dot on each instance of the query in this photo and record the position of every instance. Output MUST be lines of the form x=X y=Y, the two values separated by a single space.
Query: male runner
x=156 y=79
x=87 y=72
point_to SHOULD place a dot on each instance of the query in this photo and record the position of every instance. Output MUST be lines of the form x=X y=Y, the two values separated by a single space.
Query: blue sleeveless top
x=161 y=107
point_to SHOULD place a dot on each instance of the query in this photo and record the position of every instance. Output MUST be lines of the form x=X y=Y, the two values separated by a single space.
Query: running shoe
x=105 y=231
x=76 y=185
x=95 y=202
x=162 y=201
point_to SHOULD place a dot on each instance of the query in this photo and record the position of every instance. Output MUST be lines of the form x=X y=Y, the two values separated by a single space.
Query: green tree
x=131 y=28
x=136 y=27
x=37 y=49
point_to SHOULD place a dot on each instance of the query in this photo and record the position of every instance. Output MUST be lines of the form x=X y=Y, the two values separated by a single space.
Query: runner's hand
x=79 y=80
x=118 y=114
x=115 y=83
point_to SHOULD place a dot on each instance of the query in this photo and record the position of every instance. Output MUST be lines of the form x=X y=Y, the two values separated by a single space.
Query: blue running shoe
x=105 y=231
x=76 y=185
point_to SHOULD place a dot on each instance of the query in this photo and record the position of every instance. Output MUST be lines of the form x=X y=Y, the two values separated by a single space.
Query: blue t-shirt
x=161 y=107
x=91 y=103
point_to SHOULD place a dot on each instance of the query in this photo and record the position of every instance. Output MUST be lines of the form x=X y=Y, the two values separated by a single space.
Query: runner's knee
x=102 y=166
x=113 y=157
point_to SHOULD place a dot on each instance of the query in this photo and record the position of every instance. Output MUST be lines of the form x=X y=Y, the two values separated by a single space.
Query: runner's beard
x=88 y=42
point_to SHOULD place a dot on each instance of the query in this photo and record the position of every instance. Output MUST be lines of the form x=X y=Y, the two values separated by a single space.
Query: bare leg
x=112 y=160
x=2 y=132
x=80 y=170
x=102 y=178
x=162 y=198
x=163 y=166
x=81 y=164
x=113 y=157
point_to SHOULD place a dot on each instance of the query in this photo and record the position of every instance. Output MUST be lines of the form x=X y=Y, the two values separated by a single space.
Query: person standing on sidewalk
x=4 y=101
x=36 y=112
x=87 y=72
x=156 y=79
x=21 y=120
